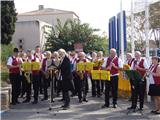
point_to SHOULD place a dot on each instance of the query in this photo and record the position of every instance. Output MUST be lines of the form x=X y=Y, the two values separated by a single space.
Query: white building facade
x=31 y=26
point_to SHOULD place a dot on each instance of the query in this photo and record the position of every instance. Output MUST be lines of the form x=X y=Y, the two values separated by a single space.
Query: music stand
x=133 y=76
x=52 y=70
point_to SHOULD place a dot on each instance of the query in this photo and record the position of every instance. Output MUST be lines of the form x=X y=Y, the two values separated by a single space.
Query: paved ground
x=85 y=111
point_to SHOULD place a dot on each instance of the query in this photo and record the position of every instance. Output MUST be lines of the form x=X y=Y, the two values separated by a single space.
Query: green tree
x=73 y=31
x=139 y=24
x=8 y=19
x=155 y=21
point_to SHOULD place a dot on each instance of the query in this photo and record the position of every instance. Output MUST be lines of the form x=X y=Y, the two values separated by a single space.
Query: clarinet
x=149 y=70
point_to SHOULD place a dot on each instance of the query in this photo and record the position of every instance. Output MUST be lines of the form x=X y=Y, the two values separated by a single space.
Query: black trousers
x=131 y=83
x=55 y=84
x=93 y=82
x=16 y=86
x=41 y=85
x=28 y=91
x=75 y=82
x=113 y=86
x=138 y=92
x=36 y=84
x=26 y=88
x=46 y=85
x=59 y=86
x=66 y=98
x=96 y=87
x=102 y=85
x=82 y=87
x=23 y=84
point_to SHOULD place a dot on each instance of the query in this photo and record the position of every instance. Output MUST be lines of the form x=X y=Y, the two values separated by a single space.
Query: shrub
x=6 y=52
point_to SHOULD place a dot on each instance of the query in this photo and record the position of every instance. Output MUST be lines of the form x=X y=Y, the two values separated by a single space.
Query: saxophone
x=47 y=74
x=27 y=76
x=49 y=68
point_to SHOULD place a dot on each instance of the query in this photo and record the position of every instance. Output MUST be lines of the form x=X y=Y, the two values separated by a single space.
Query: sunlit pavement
x=86 y=111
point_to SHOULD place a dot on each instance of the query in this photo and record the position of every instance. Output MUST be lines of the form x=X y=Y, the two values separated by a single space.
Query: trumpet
x=27 y=76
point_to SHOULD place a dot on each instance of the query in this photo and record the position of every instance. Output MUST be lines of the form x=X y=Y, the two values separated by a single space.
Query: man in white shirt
x=112 y=64
x=139 y=84
x=13 y=65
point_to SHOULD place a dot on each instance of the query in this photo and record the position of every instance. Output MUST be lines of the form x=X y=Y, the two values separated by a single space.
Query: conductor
x=65 y=76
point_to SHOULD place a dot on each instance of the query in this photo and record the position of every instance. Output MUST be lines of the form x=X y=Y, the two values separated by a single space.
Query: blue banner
x=112 y=33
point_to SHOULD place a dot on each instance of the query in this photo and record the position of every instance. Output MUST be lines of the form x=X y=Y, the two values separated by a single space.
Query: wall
x=27 y=31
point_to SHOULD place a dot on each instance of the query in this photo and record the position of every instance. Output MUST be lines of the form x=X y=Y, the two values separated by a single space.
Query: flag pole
x=122 y=33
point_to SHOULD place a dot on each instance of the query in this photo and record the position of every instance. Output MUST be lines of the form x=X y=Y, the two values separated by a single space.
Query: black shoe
x=66 y=107
x=105 y=106
x=52 y=101
x=80 y=101
x=134 y=110
x=62 y=106
x=157 y=113
x=73 y=94
x=46 y=98
x=130 y=108
x=17 y=102
x=140 y=109
x=93 y=95
x=13 y=103
x=85 y=100
x=98 y=96
x=40 y=92
x=34 y=102
x=26 y=101
x=22 y=96
x=60 y=100
x=154 y=111
x=57 y=95
x=114 y=105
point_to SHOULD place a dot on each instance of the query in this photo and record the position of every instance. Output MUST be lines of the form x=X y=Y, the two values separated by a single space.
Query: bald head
x=81 y=55
x=137 y=55
x=113 y=53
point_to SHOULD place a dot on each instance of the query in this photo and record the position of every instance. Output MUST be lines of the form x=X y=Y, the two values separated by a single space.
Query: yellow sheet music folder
x=80 y=66
x=105 y=75
x=89 y=66
x=27 y=66
x=100 y=75
x=35 y=65
x=95 y=74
